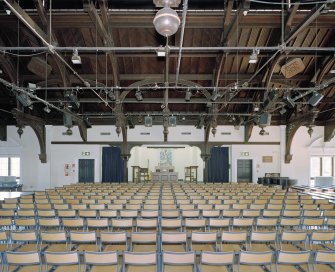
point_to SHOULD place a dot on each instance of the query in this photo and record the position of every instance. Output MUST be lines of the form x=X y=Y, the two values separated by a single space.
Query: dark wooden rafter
x=50 y=36
x=293 y=127
x=103 y=28
x=315 y=12
x=8 y=66
x=38 y=125
x=247 y=131
x=329 y=130
x=229 y=28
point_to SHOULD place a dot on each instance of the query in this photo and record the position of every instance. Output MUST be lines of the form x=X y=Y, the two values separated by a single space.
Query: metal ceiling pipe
x=173 y=49
x=52 y=50
x=185 y=7
x=12 y=86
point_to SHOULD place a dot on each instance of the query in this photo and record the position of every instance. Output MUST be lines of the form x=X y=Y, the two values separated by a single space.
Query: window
x=322 y=166
x=10 y=166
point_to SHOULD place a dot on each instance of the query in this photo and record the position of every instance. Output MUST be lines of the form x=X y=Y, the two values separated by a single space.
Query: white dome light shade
x=166 y=22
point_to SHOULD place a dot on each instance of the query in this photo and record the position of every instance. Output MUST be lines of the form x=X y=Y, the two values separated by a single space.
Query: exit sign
x=85 y=153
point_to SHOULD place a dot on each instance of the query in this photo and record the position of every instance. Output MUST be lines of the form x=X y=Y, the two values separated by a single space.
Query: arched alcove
x=180 y=156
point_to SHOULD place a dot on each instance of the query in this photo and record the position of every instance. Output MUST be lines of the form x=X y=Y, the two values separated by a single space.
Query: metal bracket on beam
x=247 y=131
x=38 y=125
x=293 y=127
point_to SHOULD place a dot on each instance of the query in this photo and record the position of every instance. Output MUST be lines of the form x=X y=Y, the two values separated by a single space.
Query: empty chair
x=174 y=241
x=195 y=223
x=148 y=213
x=205 y=241
x=218 y=224
x=123 y=223
x=170 y=213
x=216 y=261
x=313 y=223
x=88 y=213
x=145 y=224
x=289 y=223
x=83 y=241
x=243 y=223
x=293 y=261
x=46 y=213
x=25 y=223
x=107 y=261
x=233 y=241
x=312 y=213
x=322 y=240
x=60 y=259
x=169 y=223
x=23 y=241
x=255 y=261
x=263 y=241
x=26 y=261
x=293 y=240
x=147 y=261
x=143 y=241
x=171 y=260
x=53 y=241
x=113 y=241
x=73 y=223
x=266 y=223
x=251 y=213
x=49 y=223
x=324 y=261
x=108 y=213
x=97 y=223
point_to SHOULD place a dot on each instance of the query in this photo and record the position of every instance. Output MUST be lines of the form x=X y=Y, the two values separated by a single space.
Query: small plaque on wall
x=267 y=159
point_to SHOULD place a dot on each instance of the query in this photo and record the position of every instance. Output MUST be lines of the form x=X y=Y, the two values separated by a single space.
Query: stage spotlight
x=315 y=99
x=76 y=59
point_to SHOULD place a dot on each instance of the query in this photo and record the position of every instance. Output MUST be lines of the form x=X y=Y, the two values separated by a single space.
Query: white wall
x=37 y=176
x=303 y=147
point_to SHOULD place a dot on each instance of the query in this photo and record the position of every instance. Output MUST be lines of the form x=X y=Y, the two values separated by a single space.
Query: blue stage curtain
x=112 y=165
x=218 y=165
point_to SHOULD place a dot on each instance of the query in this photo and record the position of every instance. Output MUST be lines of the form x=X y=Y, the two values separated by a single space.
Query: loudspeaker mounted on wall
x=148 y=121
x=265 y=119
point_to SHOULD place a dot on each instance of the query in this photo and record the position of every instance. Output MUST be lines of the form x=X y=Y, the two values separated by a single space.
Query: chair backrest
x=324 y=257
x=230 y=236
x=203 y=237
x=82 y=237
x=100 y=258
x=217 y=258
x=59 y=236
x=139 y=259
x=61 y=258
x=23 y=258
x=293 y=257
x=179 y=258
x=255 y=258
x=174 y=237
x=113 y=237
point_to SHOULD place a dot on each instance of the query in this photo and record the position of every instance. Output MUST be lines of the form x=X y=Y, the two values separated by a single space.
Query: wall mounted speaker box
x=292 y=68
x=39 y=67
x=148 y=121
x=265 y=119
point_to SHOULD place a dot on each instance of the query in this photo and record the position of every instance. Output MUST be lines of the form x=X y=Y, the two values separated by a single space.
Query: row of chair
x=322 y=261
x=180 y=241
x=168 y=223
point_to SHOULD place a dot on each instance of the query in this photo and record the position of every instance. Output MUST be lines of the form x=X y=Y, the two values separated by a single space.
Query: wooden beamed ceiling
x=209 y=24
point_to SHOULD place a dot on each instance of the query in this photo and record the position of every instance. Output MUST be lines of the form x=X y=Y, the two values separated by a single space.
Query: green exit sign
x=85 y=153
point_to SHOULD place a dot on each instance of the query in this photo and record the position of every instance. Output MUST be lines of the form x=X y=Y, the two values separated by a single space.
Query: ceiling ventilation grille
x=145 y=133
x=105 y=133
x=186 y=133
x=225 y=133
